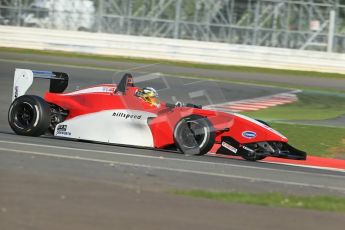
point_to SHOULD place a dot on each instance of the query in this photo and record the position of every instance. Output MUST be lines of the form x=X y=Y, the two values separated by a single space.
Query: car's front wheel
x=29 y=115
x=194 y=135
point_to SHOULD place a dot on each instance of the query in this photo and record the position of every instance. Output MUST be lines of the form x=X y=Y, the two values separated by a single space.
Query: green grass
x=315 y=140
x=320 y=203
x=179 y=63
x=310 y=106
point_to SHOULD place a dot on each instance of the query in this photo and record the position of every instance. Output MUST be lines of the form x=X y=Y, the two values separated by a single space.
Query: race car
x=128 y=115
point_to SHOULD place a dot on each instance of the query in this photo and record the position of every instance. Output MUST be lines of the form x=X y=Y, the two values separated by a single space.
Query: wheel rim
x=24 y=115
x=194 y=133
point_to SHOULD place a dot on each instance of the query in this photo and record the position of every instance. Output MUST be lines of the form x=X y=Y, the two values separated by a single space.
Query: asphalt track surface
x=49 y=183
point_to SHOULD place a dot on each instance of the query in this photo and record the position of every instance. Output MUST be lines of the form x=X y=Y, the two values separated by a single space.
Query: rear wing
x=127 y=80
x=23 y=79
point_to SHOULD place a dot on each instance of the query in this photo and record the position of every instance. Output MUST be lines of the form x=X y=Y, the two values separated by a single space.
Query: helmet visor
x=154 y=101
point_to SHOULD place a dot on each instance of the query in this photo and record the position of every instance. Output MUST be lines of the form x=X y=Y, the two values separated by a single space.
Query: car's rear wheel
x=29 y=115
x=194 y=135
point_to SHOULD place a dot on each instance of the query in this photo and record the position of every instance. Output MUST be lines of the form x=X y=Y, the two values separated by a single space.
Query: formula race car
x=128 y=115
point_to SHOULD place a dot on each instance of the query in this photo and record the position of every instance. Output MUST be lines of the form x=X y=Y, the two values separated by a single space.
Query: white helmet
x=149 y=95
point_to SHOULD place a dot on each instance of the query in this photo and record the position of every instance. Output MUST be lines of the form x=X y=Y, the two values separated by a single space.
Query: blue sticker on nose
x=249 y=134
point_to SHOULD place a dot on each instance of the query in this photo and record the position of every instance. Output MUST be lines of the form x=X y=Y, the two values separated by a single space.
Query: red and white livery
x=114 y=113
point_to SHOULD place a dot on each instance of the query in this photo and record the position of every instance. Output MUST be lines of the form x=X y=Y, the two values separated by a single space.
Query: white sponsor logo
x=249 y=134
x=62 y=131
x=16 y=89
x=227 y=146
x=248 y=149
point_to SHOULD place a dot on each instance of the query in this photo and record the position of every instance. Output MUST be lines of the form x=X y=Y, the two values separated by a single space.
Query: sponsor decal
x=249 y=134
x=230 y=147
x=248 y=149
x=62 y=131
x=16 y=89
x=62 y=128
x=126 y=115
x=108 y=89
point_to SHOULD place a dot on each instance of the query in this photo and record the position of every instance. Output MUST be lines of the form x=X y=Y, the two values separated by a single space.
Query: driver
x=149 y=95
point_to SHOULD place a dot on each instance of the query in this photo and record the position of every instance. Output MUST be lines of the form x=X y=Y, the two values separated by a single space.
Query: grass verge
x=315 y=140
x=310 y=106
x=319 y=203
x=179 y=63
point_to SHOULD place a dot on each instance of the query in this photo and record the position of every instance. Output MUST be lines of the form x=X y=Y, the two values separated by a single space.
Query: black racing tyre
x=194 y=135
x=29 y=115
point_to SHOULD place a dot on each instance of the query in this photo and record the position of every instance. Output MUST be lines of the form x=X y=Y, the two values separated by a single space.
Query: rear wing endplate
x=127 y=80
x=23 y=79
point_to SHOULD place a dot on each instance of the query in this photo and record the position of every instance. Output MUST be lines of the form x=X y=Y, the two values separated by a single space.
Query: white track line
x=173 y=169
x=147 y=77
x=164 y=158
x=304 y=166
x=283 y=163
x=195 y=82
